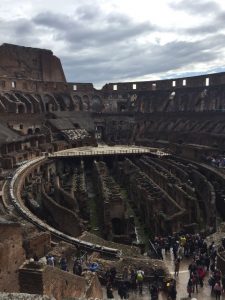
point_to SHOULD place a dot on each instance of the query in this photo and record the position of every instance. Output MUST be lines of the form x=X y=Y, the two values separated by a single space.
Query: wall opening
x=115 y=87
x=184 y=82
x=75 y=87
x=37 y=130
x=174 y=83
x=207 y=81
x=47 y=107
x=13 y=84
x=172 y=95
x=134 y=86
x=154 y=86
x=117 y=226
x=30 y=131
x=21 y=109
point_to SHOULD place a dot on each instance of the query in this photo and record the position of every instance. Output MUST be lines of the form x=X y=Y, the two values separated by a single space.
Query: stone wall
x=26 y=62
x=66 y=220
x=11 y=255
x=39 y=244
x=50 y=281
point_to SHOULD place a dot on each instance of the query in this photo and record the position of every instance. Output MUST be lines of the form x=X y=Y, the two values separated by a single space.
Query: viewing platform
x=108 y=151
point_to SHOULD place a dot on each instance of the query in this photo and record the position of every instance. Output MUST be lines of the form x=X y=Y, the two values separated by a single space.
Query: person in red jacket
x=201 y=274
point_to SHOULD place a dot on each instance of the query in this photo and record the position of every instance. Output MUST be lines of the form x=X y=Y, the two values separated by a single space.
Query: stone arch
x=85 y=103
x=40 y=100
x=77 y=102
x=35 y=102
x=21 y=108
x=64 y=102
x=30 y=131
x=37 y=130
x=117 y=226
x=26 y=101
x=50 y=103
x=11 y=105
x=69 y=105
x=96 y=104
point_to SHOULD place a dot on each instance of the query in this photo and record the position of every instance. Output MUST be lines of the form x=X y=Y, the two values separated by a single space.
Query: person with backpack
x=140 y=278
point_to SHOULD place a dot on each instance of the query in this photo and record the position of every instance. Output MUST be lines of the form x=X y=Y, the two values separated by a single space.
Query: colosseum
x=101 y=173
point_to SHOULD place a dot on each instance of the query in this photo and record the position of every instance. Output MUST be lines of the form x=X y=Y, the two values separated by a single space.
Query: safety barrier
x=26 y=214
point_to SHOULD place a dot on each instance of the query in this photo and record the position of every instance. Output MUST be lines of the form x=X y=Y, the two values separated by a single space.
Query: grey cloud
x=100 y=47
x=102 y=29
x=20 y=31
x=200 y=7
x=210 y=26
x=140 y=61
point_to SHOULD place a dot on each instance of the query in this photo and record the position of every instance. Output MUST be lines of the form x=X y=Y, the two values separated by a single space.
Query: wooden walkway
x=107 y=151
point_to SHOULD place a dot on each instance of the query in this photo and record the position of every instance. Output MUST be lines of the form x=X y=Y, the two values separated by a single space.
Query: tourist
x=133 y=282
x=140 y=278
x=207 y=261
x=154 y=292
x=177 y=266
x=35 y=257
x=125 y=274
x=113 y=273
x=94 y=267
x=109 y=291
x=201 y=274
x=217 y=290
x=77 y=268
x=223 y=282
x=192 y=267
x=173 y=292
x=50 y=260
x=195 y=281
x=123 y=290
x=63 y=264
x=190 y=287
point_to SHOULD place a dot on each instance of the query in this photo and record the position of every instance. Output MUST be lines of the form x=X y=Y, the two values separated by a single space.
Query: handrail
x=106 y=152
x=26 y=214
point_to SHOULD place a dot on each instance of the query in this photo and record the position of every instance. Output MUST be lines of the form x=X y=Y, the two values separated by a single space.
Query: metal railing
x=104 y=152
x=30 y=217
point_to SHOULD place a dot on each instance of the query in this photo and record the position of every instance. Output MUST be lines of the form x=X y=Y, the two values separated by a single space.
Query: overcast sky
x=104 y=41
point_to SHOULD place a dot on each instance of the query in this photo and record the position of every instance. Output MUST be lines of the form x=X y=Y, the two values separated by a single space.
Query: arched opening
x=68 y=104
x=30 y=131
x=50 y=103
x=96 y=104
x=37 y=130
x=99 y=132
x=122 y=107
x=47 y=107
x=117 y=226
x=21 y=109
x=85 y=103
x=77 y=103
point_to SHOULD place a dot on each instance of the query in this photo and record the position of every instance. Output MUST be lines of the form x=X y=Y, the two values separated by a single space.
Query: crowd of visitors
x=132 y=280
x=215 y=161
x=203 y=256
x=191 y=247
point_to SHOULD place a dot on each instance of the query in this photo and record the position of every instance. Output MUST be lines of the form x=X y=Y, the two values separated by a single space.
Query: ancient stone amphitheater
x=96 y=169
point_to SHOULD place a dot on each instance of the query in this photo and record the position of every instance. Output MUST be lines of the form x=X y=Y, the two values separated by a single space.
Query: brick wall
x=11 y=256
